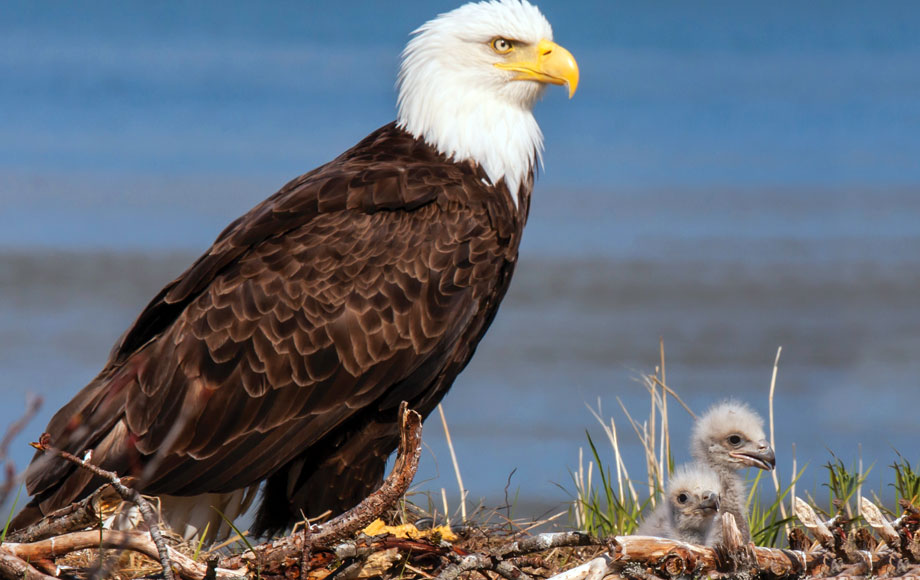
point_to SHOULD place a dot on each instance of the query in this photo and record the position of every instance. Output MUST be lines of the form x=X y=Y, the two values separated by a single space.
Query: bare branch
x=127 y=493
x=546 y=541
x=113 y=539
x=14 y=568
x=479 y=562
x=282 y=552
x=77 y=516
x=33 y=404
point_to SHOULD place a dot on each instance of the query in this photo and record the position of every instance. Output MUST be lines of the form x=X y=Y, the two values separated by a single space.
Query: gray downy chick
x=729 y=438
x=692 y=502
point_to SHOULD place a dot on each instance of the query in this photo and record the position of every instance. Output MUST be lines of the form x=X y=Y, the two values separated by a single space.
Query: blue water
x=731 y=177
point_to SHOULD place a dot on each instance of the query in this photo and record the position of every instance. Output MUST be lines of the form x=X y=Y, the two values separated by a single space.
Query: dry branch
x=481 y=562
x=112 y=539
x=545 y=541
x=77 y=516
x=12 y=567
x=127 y=494
x=33 y=404
x=287 y=551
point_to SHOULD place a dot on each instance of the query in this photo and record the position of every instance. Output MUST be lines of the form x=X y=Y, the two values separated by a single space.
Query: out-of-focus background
x=731 y=177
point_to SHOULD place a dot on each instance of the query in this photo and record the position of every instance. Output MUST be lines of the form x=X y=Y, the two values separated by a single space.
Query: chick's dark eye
x=682 y=498
x=502 y=45
x=734 y=439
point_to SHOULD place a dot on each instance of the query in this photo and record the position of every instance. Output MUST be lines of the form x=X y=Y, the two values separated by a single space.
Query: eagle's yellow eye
x=502 y=45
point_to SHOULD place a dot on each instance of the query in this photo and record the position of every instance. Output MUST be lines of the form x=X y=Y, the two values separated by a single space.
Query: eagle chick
x=728 y=438
x=692 y=504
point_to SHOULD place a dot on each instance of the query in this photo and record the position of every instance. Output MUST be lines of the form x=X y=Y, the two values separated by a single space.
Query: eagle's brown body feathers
x=284 y=351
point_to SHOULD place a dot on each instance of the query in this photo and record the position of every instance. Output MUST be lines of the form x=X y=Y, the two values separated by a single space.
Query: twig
x=76 y=516
x=127 y=493
x=12 y=567
x=136 y=541
x=478 y=562
x=546 y=541
x=908 y=507
x=33 y=404
x=365 y=546
x=276 y=554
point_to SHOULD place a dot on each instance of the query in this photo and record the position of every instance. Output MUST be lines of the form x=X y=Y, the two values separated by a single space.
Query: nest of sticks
x=70 y=544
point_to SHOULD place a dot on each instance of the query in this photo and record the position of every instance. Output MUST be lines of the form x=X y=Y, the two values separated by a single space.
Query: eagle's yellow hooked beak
x=547 y=62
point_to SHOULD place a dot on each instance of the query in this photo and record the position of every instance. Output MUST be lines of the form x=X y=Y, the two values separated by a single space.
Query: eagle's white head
x=470 y=78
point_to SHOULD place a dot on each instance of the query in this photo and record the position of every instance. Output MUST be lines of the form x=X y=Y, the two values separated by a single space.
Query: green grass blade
x=9 y=517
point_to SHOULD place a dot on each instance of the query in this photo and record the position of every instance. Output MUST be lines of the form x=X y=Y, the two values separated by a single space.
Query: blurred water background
x=731 y=177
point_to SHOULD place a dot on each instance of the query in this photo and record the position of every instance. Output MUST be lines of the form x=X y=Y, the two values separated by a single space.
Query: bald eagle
x=280 y=356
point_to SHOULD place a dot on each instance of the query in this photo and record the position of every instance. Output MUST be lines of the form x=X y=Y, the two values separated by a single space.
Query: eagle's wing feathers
x=321 y=301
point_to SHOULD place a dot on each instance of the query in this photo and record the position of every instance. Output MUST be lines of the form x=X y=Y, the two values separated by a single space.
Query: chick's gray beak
x=761 y=456
x=709 y=500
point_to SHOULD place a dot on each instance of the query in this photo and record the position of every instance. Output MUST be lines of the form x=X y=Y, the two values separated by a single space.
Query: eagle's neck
x=465 y=123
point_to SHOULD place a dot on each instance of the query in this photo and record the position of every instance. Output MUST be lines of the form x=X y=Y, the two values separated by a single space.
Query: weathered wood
x=481 y=562
x=77 y=516
x=879 y=523
x=672 y=557
x=287 y=551
x=545 y=541
x=813 y=523
x=112 y=539
x=15 y=568
x=128 y=494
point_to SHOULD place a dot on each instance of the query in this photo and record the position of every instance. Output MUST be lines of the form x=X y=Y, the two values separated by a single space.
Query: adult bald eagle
x=282 y=354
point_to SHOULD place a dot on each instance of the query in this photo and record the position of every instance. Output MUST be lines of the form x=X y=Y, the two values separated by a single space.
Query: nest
x=345 y=548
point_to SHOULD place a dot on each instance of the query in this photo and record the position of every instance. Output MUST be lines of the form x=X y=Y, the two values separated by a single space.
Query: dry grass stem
x=453 y=458
x=774 y=473
x=674 y=395
x=650 y=459
x=665 y=451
